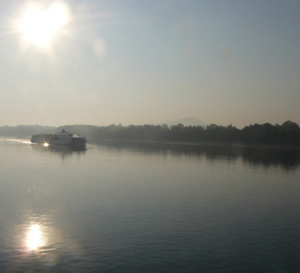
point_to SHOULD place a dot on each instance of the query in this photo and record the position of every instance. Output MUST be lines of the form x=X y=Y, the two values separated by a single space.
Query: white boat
x=62 y=138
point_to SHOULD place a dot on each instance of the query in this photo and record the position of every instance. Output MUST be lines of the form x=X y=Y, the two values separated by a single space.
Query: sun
x=39 y=25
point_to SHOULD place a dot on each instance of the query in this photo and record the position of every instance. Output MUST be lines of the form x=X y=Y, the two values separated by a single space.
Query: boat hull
x=58 y=139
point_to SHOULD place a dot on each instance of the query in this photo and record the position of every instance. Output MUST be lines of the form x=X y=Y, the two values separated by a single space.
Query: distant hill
x=188 y=121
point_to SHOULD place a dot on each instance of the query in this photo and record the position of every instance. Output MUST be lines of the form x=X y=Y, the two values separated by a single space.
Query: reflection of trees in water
x=288 y=159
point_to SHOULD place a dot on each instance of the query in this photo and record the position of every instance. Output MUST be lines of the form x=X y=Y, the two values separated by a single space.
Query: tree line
x=288 y=133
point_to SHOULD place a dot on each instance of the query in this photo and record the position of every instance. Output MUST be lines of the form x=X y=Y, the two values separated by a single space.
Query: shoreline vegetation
x=285 y=135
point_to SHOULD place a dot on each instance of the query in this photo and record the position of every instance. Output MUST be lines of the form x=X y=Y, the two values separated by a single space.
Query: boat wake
x=18 y=140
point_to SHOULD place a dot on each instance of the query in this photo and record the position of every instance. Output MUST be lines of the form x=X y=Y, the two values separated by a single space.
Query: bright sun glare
x=40 y=25
x=34 y=237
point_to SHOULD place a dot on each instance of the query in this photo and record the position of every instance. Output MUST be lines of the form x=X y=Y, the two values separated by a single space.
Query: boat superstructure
x=62 y=138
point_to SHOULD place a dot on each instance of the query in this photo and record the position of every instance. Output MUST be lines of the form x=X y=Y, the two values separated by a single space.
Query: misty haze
x=150 y=136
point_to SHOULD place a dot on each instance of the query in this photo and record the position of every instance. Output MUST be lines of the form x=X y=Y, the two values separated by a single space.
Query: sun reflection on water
x=35 y=238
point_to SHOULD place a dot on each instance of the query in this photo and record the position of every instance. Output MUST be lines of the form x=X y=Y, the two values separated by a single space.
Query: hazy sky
x=149 y=61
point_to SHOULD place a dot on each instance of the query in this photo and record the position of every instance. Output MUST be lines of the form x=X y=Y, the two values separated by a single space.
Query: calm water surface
x=148 y=208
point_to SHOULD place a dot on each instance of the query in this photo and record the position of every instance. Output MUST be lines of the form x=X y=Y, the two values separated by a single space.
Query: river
x=118 y=207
